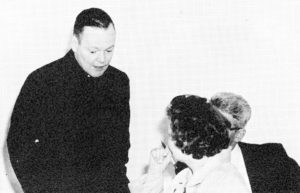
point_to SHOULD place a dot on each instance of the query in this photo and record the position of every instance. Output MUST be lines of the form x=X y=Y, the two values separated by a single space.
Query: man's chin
x=98 y=72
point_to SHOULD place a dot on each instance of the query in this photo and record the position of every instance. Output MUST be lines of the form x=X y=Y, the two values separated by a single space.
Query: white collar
x=187 y=178
x=237 y=159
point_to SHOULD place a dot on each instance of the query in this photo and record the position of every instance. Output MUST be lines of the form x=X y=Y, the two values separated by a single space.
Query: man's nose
x=101 y=57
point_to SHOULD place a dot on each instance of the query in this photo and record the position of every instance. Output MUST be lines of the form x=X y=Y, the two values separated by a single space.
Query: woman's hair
x=197 y=127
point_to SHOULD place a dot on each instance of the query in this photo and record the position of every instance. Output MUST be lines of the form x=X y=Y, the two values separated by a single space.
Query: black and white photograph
x=141 y=96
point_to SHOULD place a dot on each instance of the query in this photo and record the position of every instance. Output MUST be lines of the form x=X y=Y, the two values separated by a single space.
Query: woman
x=199 y=138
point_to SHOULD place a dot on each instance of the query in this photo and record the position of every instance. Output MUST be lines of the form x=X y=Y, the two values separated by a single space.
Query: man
x=69 y=127
x=266 y=167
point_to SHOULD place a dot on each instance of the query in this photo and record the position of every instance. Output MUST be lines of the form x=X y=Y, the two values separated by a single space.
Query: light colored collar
x=187 y=178
x=236 y=152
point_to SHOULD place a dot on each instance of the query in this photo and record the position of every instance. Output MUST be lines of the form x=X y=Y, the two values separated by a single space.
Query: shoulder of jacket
x=268 y=148
x=118 y=73
x=275 y=145
x=47 y=71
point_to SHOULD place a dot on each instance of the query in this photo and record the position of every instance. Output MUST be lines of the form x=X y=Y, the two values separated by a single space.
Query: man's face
x=236 y=136
x=232 y=134
x=94 y=48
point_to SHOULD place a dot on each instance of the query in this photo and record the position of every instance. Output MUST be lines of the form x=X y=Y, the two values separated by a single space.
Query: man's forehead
x=98 y=37
x=93 y=29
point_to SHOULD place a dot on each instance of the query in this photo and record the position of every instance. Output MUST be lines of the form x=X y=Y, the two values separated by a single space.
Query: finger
x=165 y=152
x=156 y=154
x=161 y=157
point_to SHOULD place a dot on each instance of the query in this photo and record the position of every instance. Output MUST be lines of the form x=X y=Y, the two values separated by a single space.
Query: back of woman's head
x=197 y=127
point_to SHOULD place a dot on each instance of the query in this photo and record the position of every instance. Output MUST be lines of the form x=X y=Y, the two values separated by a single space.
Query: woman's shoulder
x=228 y=172
x=226 y=179
x=231 y=179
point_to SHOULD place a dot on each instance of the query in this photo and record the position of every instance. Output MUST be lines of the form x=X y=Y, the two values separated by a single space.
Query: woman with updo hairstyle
x=196 y=127
x=198 y=137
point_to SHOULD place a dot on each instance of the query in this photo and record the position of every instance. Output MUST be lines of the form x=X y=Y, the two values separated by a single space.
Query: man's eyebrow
x=95 y=47
x=110 y=47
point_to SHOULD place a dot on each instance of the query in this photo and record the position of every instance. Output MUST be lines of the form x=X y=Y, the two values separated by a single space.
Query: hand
x=159 y=160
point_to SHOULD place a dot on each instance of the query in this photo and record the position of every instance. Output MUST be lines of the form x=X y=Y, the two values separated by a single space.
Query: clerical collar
x=77 y=70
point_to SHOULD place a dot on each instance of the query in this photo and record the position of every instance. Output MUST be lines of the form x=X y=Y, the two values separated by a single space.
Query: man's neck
x=233 y=145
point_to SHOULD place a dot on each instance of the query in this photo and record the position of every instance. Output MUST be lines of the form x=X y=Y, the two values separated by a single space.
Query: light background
x=167 y=48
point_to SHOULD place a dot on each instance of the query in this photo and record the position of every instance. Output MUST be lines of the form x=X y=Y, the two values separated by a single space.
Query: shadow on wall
x=9 y=170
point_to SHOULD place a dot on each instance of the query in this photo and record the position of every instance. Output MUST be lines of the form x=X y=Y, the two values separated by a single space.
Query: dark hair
x=197 y=127
x=93 y=17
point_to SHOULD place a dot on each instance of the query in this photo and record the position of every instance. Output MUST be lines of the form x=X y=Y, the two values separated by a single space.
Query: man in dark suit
x=270 y=169
x=265 y=168
x=69 y=127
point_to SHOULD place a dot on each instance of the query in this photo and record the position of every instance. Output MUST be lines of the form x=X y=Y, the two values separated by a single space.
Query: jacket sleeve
x=288 y=169
x=24 y=121
x=121 y=143
x=293 y=171
x=125 y=120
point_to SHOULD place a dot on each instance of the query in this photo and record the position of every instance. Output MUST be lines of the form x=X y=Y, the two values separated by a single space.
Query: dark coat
x=70 y=132
x=269 y=168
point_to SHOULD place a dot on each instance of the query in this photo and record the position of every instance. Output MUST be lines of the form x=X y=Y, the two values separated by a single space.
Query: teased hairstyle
x=197 y=127
x=93 y=17
x=235 y=105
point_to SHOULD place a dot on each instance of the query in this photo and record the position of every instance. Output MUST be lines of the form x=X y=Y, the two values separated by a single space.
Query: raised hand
x=159 y=159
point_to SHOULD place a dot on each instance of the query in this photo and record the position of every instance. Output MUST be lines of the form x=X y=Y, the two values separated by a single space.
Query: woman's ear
x=239 y=135
x=74 y=43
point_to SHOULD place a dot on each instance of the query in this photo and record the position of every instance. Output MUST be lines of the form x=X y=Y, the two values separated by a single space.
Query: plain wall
x=168 y=48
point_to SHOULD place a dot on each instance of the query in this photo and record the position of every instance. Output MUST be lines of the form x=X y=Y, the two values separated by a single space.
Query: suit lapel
x=250 y=160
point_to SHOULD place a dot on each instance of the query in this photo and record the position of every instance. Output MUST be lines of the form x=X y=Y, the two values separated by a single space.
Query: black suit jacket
x=269 y=168
x=69 y=131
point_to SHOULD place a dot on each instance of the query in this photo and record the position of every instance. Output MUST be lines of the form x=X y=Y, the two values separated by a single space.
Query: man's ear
x=74 y=43
x=239 y=135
